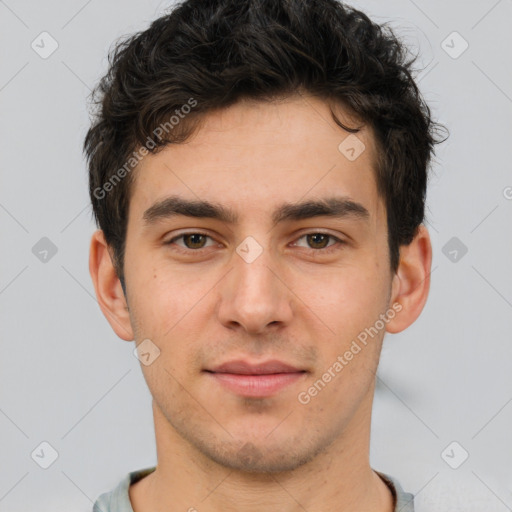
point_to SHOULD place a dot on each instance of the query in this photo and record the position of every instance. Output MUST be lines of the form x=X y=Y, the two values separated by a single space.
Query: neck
x=339 y=479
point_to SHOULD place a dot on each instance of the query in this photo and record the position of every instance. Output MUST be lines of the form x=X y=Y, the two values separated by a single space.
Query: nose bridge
x=252 y=295
x=255 y=280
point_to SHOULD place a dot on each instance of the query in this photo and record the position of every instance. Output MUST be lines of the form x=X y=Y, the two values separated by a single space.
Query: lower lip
x=257 y=385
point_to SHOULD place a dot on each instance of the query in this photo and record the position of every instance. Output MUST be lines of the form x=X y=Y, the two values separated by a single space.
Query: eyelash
x=326 y=250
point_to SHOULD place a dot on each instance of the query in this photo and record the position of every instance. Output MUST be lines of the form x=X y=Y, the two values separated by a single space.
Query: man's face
x=257 y=290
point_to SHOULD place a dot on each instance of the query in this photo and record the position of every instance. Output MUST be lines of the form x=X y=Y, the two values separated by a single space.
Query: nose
x=255 y=296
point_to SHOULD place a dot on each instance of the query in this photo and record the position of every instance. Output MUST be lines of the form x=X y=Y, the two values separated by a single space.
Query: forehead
x=253 y=155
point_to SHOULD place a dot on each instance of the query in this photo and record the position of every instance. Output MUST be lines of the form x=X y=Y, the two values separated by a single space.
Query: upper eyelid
x=176 y=237
x=334 y=237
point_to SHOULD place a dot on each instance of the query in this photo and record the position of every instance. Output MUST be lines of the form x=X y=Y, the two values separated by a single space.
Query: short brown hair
x=216 y=52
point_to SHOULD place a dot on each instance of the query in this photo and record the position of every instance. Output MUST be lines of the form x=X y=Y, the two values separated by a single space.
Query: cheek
x=163 y=297
x=346 y=299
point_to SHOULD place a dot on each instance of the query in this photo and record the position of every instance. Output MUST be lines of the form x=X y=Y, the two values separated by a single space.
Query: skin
x=218 y=451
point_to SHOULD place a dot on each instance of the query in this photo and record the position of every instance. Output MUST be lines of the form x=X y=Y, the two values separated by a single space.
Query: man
x=258 y=173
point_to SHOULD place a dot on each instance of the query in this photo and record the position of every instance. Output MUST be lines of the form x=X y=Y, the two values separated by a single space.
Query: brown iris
x=318 y=238
x=197 y=240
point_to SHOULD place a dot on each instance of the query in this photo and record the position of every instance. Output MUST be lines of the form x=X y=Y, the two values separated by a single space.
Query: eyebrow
x=172 y=206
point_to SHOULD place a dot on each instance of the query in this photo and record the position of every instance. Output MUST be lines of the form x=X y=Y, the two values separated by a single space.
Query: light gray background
x=68 y=380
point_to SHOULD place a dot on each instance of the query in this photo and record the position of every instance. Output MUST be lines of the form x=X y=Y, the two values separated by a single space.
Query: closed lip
x=242 y=367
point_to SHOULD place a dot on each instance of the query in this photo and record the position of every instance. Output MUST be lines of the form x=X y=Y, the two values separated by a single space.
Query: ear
x=108 y=288
x=411 y=282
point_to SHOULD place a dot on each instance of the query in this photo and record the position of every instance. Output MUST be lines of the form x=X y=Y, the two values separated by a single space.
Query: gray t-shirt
x=118 y=500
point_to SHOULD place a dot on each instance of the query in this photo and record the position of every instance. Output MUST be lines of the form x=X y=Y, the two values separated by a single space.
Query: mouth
x=255 y=380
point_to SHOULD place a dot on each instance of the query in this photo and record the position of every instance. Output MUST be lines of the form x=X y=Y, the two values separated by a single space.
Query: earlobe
x=411 y=283
x=108 y=288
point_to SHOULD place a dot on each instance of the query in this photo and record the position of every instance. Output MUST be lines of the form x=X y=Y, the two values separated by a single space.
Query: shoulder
x=118 y=500
x=404 y=501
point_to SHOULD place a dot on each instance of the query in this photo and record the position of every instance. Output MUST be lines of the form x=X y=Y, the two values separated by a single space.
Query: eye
x=192 y=240
x=318 y=241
